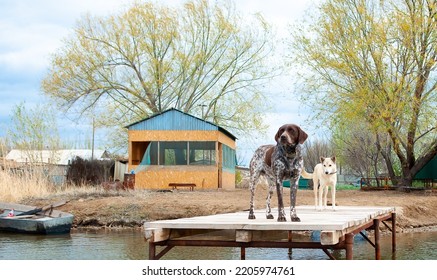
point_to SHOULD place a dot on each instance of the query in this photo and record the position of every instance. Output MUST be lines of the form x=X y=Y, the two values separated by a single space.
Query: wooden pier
x=337 y=228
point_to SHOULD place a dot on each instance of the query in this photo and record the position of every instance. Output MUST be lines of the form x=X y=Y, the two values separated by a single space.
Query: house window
x=229 y=159
x=178 y=153
x=202 y=153
x=152 y=156
x=173 y=153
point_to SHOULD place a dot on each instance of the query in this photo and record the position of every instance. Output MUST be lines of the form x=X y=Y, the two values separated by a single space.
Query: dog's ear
x=302 y=135
x=322 y=159
x=278 y=134
x=333 y=159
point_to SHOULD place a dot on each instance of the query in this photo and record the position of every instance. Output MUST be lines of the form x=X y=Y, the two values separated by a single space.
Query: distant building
x=53 y=163
x=56 y=157
x=176 y=147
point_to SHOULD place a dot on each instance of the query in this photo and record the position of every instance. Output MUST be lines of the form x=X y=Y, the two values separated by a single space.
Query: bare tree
x=361 y=150
x=201 y=58
x=313 y=150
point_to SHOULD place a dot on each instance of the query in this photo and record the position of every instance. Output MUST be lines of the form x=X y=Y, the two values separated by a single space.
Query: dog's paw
x=252 y=216
x=295 y=219
x=270 y=216
x=282 y=219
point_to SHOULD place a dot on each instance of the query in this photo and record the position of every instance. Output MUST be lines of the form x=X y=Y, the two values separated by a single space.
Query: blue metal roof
x=173 y=119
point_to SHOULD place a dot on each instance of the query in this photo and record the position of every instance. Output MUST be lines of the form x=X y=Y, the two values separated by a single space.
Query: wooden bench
x=175 y=186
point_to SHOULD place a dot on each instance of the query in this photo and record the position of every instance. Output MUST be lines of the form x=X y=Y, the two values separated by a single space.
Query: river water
x=130 y=245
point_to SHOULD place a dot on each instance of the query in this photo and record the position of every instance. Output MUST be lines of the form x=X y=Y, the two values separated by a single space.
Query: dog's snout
x=326 y=172
x=283 y=137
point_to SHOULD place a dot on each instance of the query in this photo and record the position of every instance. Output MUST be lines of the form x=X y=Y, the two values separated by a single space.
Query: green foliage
x=341 y=187
x=375 y=62
x=200 y=57
x=33 y=128
x=238 y=177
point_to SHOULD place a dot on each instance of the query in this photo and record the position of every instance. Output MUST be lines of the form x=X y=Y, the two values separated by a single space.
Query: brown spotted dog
x=277 y=163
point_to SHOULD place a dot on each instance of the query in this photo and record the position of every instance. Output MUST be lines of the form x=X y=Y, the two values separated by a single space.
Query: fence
x=385 y=183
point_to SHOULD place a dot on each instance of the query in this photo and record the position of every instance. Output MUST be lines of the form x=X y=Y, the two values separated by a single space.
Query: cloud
x=32 y=30
x=27 y=50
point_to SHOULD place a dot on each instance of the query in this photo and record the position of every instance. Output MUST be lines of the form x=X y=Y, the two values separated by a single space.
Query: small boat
x=29 y=219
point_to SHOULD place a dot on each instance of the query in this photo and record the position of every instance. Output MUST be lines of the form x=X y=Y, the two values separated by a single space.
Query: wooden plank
x=243 y=236
x=43 y=209
x=21 y=217
x=330 y=237
x=341 y=219
x=203 y=235
x=157 y=234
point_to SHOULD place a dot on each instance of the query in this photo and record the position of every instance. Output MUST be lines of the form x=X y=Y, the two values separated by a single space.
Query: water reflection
x=130 y=245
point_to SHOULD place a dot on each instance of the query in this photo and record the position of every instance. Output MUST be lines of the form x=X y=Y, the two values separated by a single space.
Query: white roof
x=59 y=157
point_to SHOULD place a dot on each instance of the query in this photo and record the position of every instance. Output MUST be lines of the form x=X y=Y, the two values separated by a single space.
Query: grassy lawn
x=346 y=187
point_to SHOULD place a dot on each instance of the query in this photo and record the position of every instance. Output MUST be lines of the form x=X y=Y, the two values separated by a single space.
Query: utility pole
x=203 y=106
x=92 y=144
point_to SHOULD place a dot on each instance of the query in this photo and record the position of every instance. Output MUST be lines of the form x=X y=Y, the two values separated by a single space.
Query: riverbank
x=415 y=211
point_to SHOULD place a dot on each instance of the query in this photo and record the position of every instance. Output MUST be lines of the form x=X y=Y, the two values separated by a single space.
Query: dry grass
x=26 y=187
x=14 y=188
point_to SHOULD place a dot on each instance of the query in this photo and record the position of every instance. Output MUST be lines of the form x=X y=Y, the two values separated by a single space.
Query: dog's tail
x=306 y=175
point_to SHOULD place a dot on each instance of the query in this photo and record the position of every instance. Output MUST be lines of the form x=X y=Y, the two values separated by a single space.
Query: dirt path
x=414 y=211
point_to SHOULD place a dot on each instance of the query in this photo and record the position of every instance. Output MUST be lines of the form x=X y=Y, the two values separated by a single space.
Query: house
x=56 y=157
x=428 y=173
x=53 y=163
x=176 y=147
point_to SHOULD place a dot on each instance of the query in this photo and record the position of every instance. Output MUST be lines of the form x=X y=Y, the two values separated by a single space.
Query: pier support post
x=152 y=251
x=377 y=245
x=393 y=232
x=349 y=240
x=290 y=250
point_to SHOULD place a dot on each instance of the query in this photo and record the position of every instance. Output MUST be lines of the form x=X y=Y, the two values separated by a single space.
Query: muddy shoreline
x=415 y=211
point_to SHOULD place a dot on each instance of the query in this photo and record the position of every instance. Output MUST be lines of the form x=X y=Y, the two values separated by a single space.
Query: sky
x=30 y=31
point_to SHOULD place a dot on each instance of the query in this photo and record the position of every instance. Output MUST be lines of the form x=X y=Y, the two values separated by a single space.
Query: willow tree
x=200 y=58
x=375 y=62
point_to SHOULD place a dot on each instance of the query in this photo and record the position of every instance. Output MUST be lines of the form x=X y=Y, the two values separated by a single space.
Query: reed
x=14 y=187
x=24 y=182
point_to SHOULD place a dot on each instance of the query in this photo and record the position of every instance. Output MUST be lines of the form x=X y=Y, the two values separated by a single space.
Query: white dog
x=324 y=176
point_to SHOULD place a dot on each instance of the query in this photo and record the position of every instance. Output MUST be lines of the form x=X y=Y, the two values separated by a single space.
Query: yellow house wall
x=158 y=177
x=228 y=180
x=222 y=138
x=205 y=177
